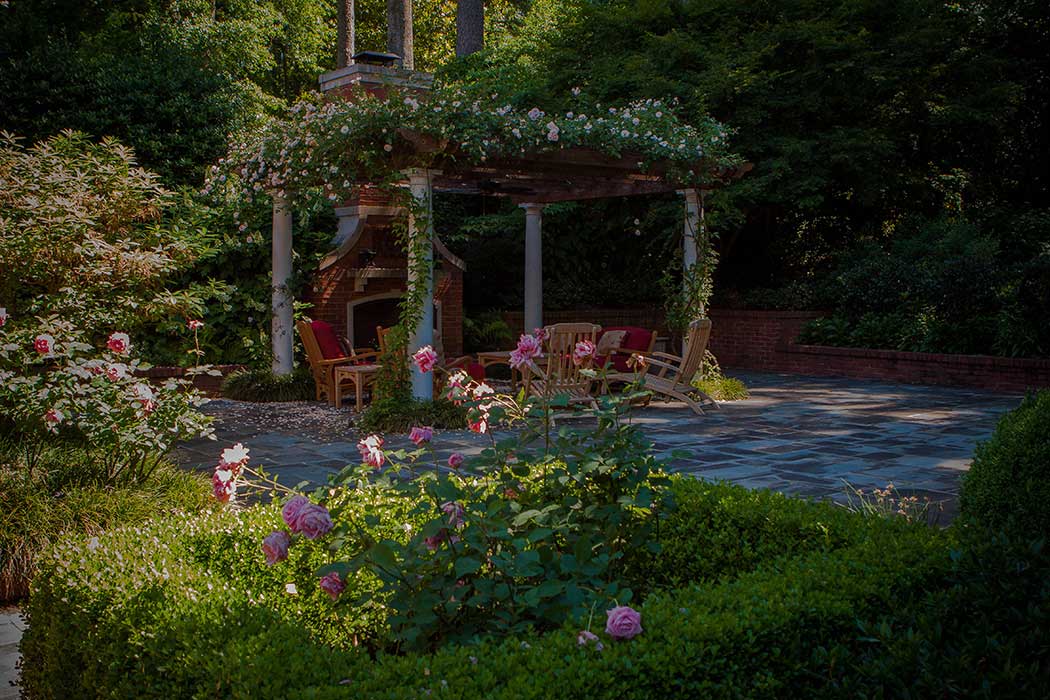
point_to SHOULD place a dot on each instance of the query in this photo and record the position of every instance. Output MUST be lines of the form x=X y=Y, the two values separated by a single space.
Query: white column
x=281 y=326
x=533 y=266
x=693 y=227
x=421 y=272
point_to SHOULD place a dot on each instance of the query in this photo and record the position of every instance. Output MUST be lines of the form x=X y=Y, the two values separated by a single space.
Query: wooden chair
x=464 y=362
x=673 y=376
x=562 y=376
x=324 y=352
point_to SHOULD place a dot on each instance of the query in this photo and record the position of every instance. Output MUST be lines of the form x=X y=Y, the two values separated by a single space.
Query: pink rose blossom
x=119 y=343
x=425 y=358
x=145 y=396
x=116 y=371
x=234 y=457
x=44 y=344
x=458 y=379
x=480 y=426
x=454 y=511
x=583 y=352
x=195 y=324
x=275 y=546
x=3 y=317
x=53 y=417
x=291 y=510
x=332 y=585
x=421 y=434
x=455 y=460
x=529 y=346
x=433 y=542
x=623 y=622
x=313 y=521
x=586 y=637
x=371 y=449
x=223 y=485
x=540 y=334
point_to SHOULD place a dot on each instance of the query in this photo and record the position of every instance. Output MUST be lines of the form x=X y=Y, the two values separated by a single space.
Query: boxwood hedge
x=751 y=596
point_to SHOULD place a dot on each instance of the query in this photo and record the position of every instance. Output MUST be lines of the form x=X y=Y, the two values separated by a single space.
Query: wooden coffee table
x=358 y=375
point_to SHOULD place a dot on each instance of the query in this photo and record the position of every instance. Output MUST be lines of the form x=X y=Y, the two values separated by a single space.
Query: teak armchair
x=562 y=376
x=673 y=376
x=325 y=351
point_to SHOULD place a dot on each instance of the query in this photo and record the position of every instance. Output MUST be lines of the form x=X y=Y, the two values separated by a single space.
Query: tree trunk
x=470 y=27
x=344 y=51
x=399 y=31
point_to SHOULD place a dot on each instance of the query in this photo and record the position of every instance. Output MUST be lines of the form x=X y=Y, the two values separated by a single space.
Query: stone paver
x=11 y=627
x=804 y=436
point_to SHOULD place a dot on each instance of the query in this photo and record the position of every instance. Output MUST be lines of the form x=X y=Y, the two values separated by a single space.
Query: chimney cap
x=376 y=58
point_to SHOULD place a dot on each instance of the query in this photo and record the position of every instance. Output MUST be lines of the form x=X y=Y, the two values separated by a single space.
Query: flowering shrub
x=52 y=382
x=326 y=148
x=532 y=533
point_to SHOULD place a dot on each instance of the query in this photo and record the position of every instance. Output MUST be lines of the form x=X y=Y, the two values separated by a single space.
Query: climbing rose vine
x=322 y=149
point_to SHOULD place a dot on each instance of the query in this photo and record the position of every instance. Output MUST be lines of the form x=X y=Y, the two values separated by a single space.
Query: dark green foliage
x=262 y=385
x=985 y=633
x=399 y=415
x=943 y=285
x=486 y=331
x=1008 y=485
x=62 y=496
x=178 y=598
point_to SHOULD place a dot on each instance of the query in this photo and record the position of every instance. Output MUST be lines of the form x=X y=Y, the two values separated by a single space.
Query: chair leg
x=697 y=409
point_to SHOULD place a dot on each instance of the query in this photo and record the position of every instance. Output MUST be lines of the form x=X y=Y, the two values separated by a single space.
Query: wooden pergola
x=531 y=180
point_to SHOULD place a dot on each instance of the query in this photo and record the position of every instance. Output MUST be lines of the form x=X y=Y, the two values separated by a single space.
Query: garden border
x=207 y=383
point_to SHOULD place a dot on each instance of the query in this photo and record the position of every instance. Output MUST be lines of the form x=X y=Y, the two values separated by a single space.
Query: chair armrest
x=335 y=361
x=365 y=354
x=664 y=366
x=663 y=355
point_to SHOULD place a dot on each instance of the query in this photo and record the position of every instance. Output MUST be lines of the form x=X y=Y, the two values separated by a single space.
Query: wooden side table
x=358 y=375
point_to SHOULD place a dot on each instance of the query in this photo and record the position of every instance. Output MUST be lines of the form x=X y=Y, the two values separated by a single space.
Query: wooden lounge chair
x=325 y=351
x=561 y=375
x=672 y=377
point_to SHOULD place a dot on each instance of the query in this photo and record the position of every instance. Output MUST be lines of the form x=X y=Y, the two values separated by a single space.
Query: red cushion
x=328 y=341
x=476 y=371
x=636 y=339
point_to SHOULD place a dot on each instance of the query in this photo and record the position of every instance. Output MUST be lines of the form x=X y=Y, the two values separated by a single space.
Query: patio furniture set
x=337 y=367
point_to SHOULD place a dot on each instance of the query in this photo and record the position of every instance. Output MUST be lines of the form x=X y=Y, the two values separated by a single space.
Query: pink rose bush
x=3 y=317
x=623 y=622
x=52 y=380
x=531 y=536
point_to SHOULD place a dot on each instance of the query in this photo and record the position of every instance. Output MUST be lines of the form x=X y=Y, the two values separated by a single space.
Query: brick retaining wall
x=206 y=383
x=765 y=341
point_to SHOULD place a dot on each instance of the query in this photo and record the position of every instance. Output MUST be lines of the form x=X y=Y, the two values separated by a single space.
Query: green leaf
x=467 y=565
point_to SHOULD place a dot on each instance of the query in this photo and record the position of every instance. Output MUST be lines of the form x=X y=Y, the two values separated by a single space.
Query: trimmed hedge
x=187 y=608
x=1008 y=484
